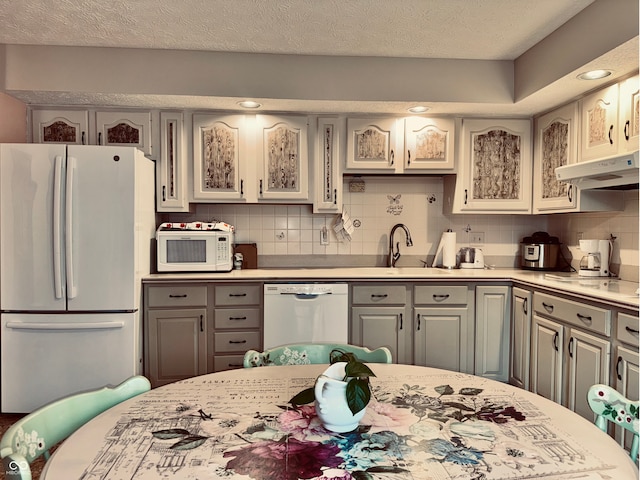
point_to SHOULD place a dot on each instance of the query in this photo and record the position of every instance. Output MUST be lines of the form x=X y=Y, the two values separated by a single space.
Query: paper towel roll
x=447 y=247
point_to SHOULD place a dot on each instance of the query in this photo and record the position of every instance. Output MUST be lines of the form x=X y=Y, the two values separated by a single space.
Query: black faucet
x=394 y=256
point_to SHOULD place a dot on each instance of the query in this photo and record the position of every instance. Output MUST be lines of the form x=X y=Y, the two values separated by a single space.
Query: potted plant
x=341 y=393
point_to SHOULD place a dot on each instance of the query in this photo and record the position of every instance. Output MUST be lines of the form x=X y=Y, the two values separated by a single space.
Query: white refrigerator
x=76 y=227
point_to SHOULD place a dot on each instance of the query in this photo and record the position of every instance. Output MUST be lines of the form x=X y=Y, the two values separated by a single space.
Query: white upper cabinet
x=372 y=144
x=132 y=129
x=429 y=143
x=599 y=136
x=327 y=177
x=283 y=157
x=171 y=171
x=629 y=114
x=70 y=127
x=494 y=168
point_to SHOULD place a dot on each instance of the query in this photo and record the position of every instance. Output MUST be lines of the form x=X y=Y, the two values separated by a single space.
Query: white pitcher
x=331 y=400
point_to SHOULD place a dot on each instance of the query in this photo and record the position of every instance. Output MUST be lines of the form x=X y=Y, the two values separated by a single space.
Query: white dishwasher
x=305 y=313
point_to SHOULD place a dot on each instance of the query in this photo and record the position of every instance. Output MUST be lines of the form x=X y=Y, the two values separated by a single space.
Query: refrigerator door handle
x=57 y=226
x=64 y=326
x=72 y=290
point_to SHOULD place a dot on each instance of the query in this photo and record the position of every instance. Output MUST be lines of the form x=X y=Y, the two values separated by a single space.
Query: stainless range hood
x=611 y=173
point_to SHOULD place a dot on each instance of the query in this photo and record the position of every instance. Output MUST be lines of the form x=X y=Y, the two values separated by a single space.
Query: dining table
x=421 y=423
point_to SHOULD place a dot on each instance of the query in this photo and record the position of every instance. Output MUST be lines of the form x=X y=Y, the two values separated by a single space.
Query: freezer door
x=45 y=357
x=104 y=245
x=31 y=255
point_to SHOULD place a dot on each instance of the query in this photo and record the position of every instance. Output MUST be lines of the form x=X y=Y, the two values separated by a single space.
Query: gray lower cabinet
x=493 y=313
x=443 y=327
x=175 y=338
x=520 y=337
x=379 y=318
x=570 y=350
x=626 y=369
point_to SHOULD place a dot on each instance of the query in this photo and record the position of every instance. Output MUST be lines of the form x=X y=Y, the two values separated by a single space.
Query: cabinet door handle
x=632 y=331
x=584 y=318
x=611 y=134
x=571 y=347
x=440 y=297
x=335 y=196
x=260 y=187
x=618 y=374
x=547 y=307
x=418 y=321
x=555 y=341
x=181 y=295
x=164 y=193
x=237 y=294
x=392 y=158
x=201 y=324
x=525 y=306
x=237 y=318
x=99 y=138
x=408 y=157
x=237 y=341
x=379 y=295
x=83 y=143
x=626 y=130
x=401 y=317
x=570 y=193
x=241 y=187
x=466 y=195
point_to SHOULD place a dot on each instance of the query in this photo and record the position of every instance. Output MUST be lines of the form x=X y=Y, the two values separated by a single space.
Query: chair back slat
x=312 y=353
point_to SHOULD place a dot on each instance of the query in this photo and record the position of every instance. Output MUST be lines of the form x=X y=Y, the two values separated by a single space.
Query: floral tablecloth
x=423 y=424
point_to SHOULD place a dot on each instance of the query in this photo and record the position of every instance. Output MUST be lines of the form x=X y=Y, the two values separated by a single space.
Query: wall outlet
x=324 y=236
x=476 y=238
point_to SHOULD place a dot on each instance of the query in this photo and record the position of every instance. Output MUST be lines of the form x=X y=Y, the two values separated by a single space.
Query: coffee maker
x=595 y=262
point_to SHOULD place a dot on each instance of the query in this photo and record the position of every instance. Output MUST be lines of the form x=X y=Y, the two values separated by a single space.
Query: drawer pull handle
x=237 y=318
x=378 y=295
x=632 y=331
x=571 y=347
x=183 y=295
x=237 y=294
x=440 y=297
x=547 y=307
x=235 y=365
x=584 y=318
x=619 y=375
x=237 y=341
x=555 y=341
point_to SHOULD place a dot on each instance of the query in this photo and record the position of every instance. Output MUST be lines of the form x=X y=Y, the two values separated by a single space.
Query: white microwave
x=194 y=251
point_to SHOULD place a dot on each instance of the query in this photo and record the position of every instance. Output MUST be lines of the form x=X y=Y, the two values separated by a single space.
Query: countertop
x=618 y=292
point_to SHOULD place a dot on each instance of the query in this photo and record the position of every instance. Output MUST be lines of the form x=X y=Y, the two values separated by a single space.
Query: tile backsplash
x=290 y=235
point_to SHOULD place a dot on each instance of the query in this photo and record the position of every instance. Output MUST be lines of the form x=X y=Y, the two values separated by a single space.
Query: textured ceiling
x=454 y=29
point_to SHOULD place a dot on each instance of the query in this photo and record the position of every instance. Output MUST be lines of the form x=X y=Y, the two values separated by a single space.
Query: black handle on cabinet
x=241 y=187
x=235 y=365
x=237 y=341
x=164 y=193
x=584 y=318
x=201 y=324
x=440 y=297
x=99 y=138
x=335 y=196
x=392 y=157
x=548 y=307
x=571 y=347
x=555 y=341
x=408 y=157
x=418 y=321
x=610 y=134
x=379 y=295
x=237 y=294
x=570 y=193
x=525 y=306
x=182 y=295
x=237 y=318
x=260 y=187
x=618 y=368
x=466 y=195
x=401 y=318
x=83 y=143
x=633 y=331
x=626 y=130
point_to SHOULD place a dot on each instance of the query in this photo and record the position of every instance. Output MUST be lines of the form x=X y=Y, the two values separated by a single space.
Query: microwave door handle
x=72 y=290
x=57 y=226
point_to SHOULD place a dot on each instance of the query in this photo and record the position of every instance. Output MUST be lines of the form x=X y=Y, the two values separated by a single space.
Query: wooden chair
x=304 y=354
x=34 y=434
x=610 y=405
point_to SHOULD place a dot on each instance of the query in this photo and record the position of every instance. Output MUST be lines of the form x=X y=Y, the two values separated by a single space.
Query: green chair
x=305 y=354
x=610 y=405
x=34 y=434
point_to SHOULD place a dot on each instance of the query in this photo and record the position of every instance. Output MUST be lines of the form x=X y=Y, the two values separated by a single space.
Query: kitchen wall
x=13 y=120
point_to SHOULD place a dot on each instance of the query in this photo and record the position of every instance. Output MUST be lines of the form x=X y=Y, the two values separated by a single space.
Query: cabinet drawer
x=588 y=317
x=238 y=295
x=440 y=295
x=236 y=341
x=227 y=362
x=379 y=294
x=627 y=329
x=177 y=296
x=237 y=318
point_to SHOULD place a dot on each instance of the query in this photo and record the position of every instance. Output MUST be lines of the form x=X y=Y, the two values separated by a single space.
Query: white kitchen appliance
x=195 y=247
x=617 y=172
x=76 y=229
x=471 y=257
x=305 y=313
x=595 y=262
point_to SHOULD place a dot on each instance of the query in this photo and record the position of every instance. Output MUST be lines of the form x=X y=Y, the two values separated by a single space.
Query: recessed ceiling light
x=249 y=104
x=418 y=109
x=594 y=74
